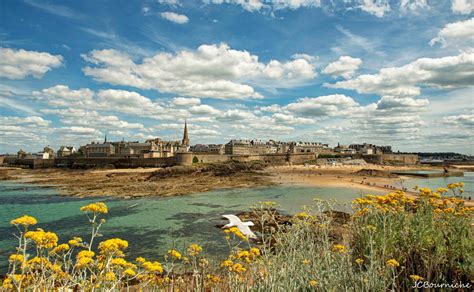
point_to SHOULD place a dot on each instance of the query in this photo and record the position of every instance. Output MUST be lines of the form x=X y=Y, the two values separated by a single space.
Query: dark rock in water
x=214 y=169
x=375 y=173
x=338 y=216
x=279 y=222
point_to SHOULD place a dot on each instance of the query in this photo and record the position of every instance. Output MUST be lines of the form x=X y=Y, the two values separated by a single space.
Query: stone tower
x=185 y=141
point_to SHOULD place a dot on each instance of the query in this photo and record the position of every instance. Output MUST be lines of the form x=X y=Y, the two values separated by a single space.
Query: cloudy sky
x=378 y=71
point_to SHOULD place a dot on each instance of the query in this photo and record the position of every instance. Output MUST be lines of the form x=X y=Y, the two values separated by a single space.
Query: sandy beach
x=378 y=178
x=339 y=176
x=139 y=182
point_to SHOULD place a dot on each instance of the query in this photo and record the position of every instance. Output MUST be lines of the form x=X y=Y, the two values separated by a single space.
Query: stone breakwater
x=430 y=174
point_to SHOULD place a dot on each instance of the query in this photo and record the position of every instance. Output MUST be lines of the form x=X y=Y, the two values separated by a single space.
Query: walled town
x=160 y=153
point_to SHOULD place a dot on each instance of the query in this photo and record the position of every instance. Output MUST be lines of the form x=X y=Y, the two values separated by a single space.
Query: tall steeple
x=185 y=141
x=105 y=139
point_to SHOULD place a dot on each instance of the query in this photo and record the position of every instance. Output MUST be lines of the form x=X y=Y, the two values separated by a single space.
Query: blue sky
x=385 y=72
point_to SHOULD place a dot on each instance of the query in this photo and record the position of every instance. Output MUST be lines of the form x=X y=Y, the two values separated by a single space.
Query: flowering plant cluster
x=389 y=243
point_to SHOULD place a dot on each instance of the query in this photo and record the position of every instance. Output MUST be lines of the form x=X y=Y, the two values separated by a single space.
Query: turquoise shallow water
x=151 y=225
x=439 y=182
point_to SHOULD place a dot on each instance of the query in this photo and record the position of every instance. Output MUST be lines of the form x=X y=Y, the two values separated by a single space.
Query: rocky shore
x=130 y=183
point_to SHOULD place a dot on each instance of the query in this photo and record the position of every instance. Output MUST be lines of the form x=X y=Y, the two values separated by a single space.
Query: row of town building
x=158 y=148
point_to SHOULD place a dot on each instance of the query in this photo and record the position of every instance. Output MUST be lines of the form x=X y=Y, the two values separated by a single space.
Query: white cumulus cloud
x=345 y=66
x=214 y=71
x=327 y=105
x=457 y=33
x=462 y=6
x=447 y=72
x=18 y=64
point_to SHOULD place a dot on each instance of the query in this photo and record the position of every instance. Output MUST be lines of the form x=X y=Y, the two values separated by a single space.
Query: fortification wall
x=409 y=159
x=179 y=159
x=184 y=158
x=406 y=159
x=211 y=158
x=118 y=162
x=296 y=158
x=300 y=158
x=31 y=163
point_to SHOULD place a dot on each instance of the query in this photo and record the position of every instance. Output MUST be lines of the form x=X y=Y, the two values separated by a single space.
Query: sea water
x=151 y=225
x=441 y=182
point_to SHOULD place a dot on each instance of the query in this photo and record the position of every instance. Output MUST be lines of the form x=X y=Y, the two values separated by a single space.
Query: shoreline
x=159 y=182
x=346 y=177
x=137 y=182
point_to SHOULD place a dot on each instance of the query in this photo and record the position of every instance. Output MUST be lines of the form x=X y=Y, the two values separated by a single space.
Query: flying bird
x=242 y=226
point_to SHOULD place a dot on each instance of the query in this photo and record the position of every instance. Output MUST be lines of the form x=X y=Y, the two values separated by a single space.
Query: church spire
x=105 y=138
x=185 y=140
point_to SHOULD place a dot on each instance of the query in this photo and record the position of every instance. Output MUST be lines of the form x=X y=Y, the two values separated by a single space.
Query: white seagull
x=242 y=226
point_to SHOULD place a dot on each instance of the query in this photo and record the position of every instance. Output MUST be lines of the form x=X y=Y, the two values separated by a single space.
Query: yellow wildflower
x=84 y=259
x=416 y=277
x=255 y=251
x=236 y=232
x=110 y=276
x=76 y=241
x=154 y=267
x=140 y=260
x=43 y=239
x=174 y=253
x=442 y=190
x=40 y=261
x=129 y=273
x=339 y=248
x=393 y=263
x=95 y=208
x=85 y=254
x=119 y=262
x=16 y=258
x=306 y=261
x=56 y=268
x=7 y=284
x=449 y=210
x=15 y=278
x=227 y=263
x=313 y=283
x=24 y=220
x=61 y=248
x=238 y=268
x=302 y=215
x=194 y=249
x=112 y=246
x=359 y=261
x=213 y=278
x=267 y=204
